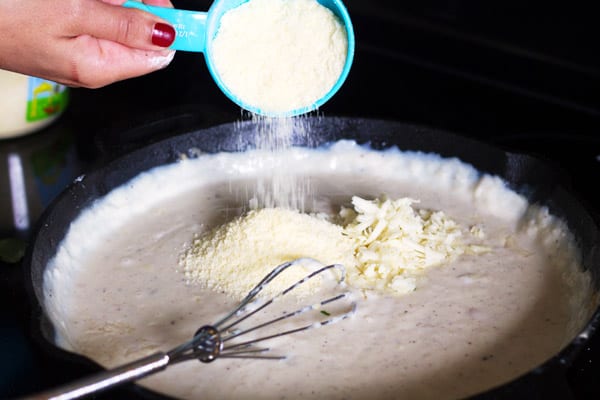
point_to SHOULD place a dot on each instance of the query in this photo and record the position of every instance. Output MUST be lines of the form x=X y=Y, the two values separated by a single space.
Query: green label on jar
x=45 y=99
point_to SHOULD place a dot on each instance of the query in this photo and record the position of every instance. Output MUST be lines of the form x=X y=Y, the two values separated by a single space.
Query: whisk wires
x=217 y=341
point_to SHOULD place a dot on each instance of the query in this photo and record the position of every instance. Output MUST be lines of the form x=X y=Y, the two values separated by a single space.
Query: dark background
x=525 y=77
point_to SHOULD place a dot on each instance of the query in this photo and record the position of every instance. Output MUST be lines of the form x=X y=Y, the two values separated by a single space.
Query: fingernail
x=163 y=35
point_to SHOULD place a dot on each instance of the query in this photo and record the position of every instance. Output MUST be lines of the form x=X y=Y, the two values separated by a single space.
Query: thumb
x=131 y=27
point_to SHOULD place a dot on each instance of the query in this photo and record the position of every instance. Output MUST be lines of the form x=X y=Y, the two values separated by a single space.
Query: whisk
x=218 y=340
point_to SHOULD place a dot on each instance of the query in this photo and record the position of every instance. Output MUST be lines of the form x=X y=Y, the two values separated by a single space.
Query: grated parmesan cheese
x=384 y=244
x=234 y=257
x=280 y=55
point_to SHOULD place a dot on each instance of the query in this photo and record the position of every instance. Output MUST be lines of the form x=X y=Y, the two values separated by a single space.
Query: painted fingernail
x=163 y=35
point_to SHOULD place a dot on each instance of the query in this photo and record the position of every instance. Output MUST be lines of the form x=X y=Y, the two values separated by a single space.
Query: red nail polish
x=163 y=35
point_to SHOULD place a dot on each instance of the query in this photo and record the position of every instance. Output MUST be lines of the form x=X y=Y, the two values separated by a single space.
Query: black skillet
x=527 y=175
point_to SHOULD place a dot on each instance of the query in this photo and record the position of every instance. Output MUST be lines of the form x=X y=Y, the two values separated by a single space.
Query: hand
x=82 y=43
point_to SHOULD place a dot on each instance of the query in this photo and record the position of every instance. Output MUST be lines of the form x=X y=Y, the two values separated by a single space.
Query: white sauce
x=471 y=325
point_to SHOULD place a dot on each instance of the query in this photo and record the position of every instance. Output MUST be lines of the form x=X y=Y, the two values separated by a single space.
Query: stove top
x=524 y=79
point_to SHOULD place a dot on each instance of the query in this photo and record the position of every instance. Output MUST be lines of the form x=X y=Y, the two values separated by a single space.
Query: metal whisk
x=218 y=340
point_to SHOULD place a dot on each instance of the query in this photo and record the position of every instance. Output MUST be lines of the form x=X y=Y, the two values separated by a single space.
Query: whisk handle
x=106 y=379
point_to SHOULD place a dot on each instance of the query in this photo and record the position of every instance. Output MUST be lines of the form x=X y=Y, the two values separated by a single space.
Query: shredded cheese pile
x=395 y=243
x=384 y=244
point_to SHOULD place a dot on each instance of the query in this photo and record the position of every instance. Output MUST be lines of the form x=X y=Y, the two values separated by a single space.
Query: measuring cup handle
x=190 y=26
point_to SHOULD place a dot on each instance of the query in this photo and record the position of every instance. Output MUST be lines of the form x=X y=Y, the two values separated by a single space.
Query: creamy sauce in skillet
x=115 y=293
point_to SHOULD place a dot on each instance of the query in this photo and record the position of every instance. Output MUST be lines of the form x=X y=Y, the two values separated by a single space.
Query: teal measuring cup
x=196 y=29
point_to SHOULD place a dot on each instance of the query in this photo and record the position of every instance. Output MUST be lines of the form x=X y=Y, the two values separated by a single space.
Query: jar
x=28 y=104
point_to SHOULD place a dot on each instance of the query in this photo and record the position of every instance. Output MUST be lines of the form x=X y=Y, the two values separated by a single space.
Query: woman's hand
x=82 y=43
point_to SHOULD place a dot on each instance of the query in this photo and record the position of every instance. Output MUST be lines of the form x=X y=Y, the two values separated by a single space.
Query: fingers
x=81 y=43
x=159 y=3
x=97 y=63
x=130 y=27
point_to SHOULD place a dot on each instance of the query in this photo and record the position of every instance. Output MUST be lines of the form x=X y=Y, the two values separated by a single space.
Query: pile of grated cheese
x=234 y=257
x=384 y=244
x=394 y=243
x=280 y=55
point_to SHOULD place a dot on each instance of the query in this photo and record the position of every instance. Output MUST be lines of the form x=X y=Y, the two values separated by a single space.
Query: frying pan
x=537 y=180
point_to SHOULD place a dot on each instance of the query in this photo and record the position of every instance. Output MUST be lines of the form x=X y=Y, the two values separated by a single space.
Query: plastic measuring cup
x=196 y=29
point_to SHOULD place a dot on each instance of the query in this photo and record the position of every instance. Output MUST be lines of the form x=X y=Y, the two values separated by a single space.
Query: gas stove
x=521 y=78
